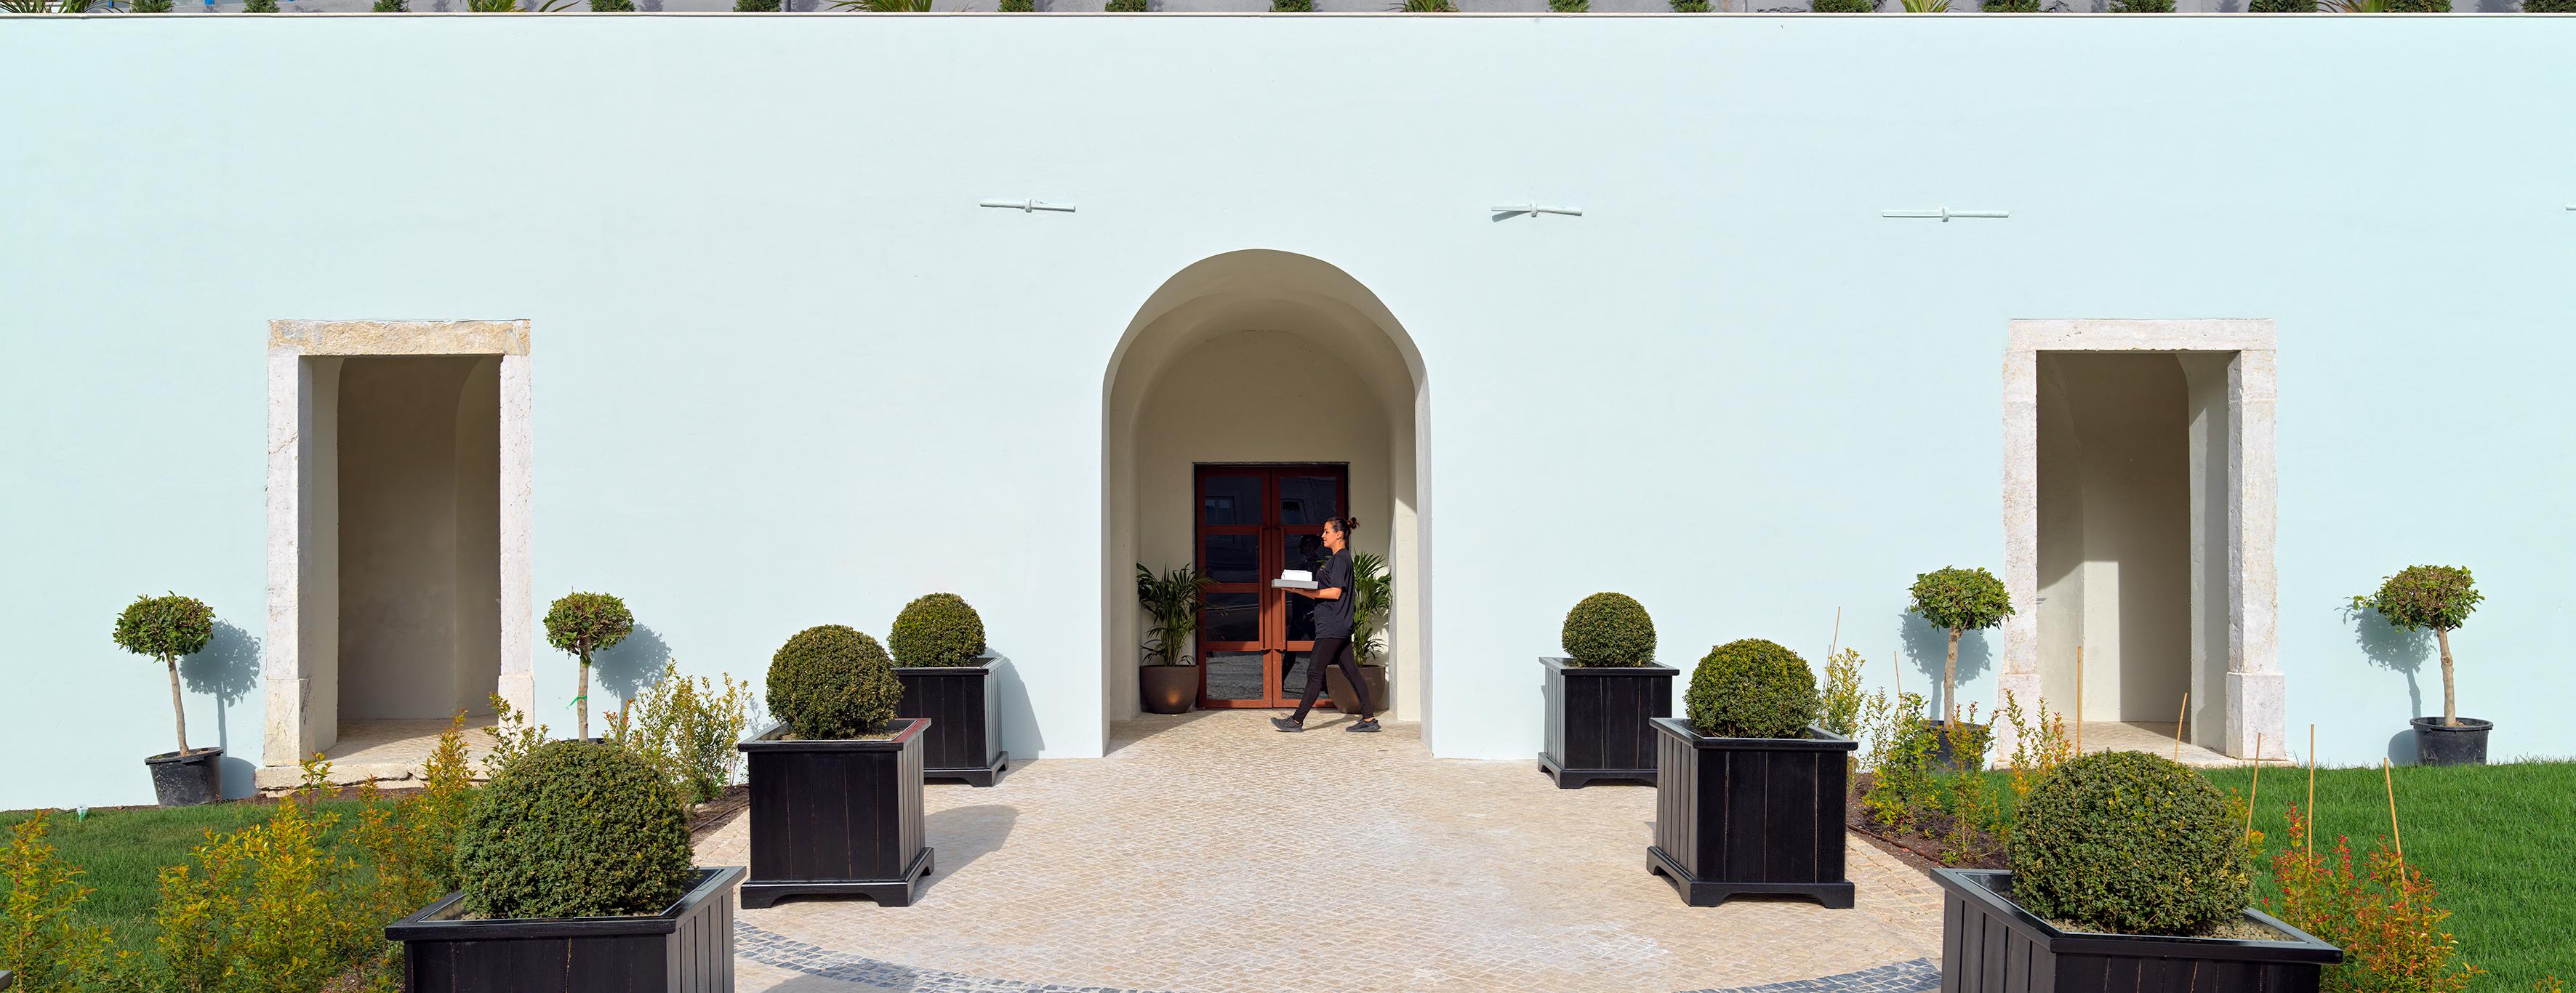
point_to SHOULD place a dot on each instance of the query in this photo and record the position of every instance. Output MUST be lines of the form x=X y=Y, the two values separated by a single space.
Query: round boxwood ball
x=830 y=681
x=574 y=829
x=2130 y=843
x=937 y=630
x=1609 y=629
x=1753 y=689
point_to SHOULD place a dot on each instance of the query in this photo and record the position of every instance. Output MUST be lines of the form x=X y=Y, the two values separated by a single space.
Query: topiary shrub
x=1608 y=629
x=831 y=682
x=164 y=628
x=940 y=629
x=2129 y=843
x=1845 y=6
x=1958 y=601
x=1752 y=689
x=574 y=830
x=582 y=623
x=2439 y=597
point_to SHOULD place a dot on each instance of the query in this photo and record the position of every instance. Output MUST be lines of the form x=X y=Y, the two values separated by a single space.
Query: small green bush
x=2129 y=843
x=1753 y=689
x=1570 y=6
x=151 y=6
x=2419 y=6
x=259 y=6
x=2286 y=6
x=2549 y=6
x=574 y=830
x=2009 y=6
x=1608 y=629
x=612 y=6
x=1292 y=6
x=831 y=682
x=1018 y=7
x=755 y=6
x=1124 y=6
x=1690 y=6
x=1845 y=6
x=2142 y=6
x=940 y=629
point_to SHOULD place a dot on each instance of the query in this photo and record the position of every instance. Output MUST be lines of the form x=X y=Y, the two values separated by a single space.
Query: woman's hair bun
x=1348 y=524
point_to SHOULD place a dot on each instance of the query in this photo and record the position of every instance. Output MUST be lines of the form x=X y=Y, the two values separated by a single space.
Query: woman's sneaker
x=1364 y=724
x=1285 y=724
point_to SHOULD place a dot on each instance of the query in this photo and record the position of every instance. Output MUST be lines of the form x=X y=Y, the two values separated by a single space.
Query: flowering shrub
x=2383 y=916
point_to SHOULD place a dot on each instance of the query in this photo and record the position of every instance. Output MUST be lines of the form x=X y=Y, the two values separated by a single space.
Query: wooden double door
x=1251 y=522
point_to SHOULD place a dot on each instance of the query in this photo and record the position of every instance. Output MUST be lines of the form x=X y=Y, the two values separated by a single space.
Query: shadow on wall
x=1019 y=719
x=227 y=670
x=629 y=666
x=2400 y=651
x=1928 y=648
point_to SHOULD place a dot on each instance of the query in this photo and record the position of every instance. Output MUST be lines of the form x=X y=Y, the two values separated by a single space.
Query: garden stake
x=1900 y=677
x=2312 y=791
x=2079 y=700
x=2178 y=715
x=2394 y=836
x=2255 y=791
x=1838 y=635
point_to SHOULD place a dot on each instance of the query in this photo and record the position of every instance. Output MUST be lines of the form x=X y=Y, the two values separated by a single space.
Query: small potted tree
x=1959 y=601
x=575 y=874
x=947 y=677
x=582 y=623
x=1749 y=792
x=2126 y=871
x=836 y=785
x=1601 y=695
x=165 y=628
x=1168 y=680
x=1374 y=594
x=2439 y=597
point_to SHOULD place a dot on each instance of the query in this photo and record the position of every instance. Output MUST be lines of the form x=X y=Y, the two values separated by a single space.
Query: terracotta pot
x=1168 y=689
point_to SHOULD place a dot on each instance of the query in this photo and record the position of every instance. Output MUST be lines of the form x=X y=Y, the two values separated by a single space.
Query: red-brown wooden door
x=1251 y=522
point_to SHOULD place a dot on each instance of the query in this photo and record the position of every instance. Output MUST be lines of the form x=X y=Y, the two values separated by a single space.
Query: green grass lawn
x=2498 y=842
x=122 y=852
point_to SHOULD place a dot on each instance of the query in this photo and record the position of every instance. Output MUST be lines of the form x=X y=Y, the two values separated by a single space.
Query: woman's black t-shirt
x=1333 y=617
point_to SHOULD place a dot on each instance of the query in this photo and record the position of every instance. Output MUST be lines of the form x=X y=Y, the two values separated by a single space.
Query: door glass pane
x=1231 y=617
x=1301 y=618
x=1292 y=674
x=1231 y=499
x=1234 y=558
x=1234 y=675
x=1303 y=551
x=1309 y=499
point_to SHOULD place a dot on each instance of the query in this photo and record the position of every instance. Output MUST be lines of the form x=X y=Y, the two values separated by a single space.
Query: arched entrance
x=1281 y=377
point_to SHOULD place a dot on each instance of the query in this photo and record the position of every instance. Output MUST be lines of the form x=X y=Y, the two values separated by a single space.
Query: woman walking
x=1333 y=616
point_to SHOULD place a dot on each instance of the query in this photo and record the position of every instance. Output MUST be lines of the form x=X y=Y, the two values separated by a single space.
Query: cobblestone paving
x=1207 y=853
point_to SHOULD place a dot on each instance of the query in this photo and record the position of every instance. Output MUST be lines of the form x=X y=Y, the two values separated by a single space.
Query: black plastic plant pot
x=965 y=736
x=685 y=949
x=1946 y=755
x=836 y=818
x=1750 y=816
x=1990 y=945
x=186 y=779
x=2439 y=744
x=1597 y=721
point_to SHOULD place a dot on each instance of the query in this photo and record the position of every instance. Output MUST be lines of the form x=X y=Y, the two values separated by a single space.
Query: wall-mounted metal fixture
x=1945 y=213
x=1534 y=210
x=1028 y=206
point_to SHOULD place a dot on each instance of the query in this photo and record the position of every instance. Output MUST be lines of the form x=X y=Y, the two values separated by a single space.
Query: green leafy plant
x=2009 y=6
x=269 y=907
x=165 y=628
x=1690 y=6
x=2288 y=6
x=42 y=941
x=512 y=737
x=1902 y=789
x=1445 y=7
x=1373 y=592
x=940 y=629
x=2142 y=6
x=884 y=6
x=574 y=830
x=1018 y=7
x=755 y=6
x=1927 y=6
x=2129 y=843
x=1292 y=6
x=259 y=6
x=1172 y=601
x=582 y=623
x=1843 y=699
x=1958 y=601
x=411 y=842
x=2419 y=6
x=150 y=6
x=1124 y=6
x=831 y=682
x=2385 y=917
x=49 y=6
x=2439 y=597
x=2549 y=6
x=612 y=6
x=2360 y=6
x=1845 y=6
x=1608 y=629
x=1752 y=689
x=1569 y=6
x=687 y=727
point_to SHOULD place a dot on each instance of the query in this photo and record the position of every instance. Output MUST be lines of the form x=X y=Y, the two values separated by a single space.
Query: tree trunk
x=1950 y=681
x=581 y=704
x=2450 y=704
x=179 y=710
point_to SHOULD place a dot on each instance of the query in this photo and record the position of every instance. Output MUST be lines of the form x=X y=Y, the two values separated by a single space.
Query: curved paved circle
x=1208 y=853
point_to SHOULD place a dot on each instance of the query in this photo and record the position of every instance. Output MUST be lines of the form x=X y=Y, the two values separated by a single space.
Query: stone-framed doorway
x=2231 y=370
x=306 y=360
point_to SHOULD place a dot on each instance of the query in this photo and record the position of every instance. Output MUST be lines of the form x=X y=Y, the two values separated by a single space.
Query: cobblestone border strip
x=773 y=949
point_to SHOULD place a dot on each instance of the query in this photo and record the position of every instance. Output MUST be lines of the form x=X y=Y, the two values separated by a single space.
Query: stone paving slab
x=1207 y=854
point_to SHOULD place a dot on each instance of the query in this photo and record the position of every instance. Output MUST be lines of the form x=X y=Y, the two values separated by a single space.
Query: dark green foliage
x=1124 y=6
x=1608 y=629
x=832 y=682
x=2130 y=843
x=1018 y=6
x=1570 y=6
x=1690 y=6
x=937 y=630
x=2549 y=6
x=574 y=830
x=582 y=623
x=163 y=628
x=259 y=6
x=1961 y=599
x=2009 y=6
x=1753 y=689
x=2419 y=6
x=2142 y=6
x=2286 y=6
x=1292 y=6
x=151 y=6
x=1845 y=6
x=2439 y=597
x=755 y=6
x=612 y=6
x=396 y=7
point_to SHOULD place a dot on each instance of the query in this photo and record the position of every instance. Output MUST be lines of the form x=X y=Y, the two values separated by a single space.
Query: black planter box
x=1991 y=945
x=836 y=818
x=1597 y=721
x=686 y=949
x=1738 y=816
x=965 y=736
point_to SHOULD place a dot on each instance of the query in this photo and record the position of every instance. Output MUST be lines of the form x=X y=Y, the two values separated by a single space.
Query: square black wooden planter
x=686 y=949
x=965 y=736
x=1991 y=945
x=836 y=818
x=1596 y=721
x=1736 y=816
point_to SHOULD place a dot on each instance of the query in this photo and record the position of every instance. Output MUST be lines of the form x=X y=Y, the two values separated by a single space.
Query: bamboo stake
x=2079 y=699
x=2178 y=715
x=1838 y=635
x=1892 y=663
x=2312 y=791
x=2394 y=836
x=2254 y=792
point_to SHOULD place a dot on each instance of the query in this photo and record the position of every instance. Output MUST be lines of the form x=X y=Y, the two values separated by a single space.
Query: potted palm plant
x=2439 y=597
x=947 y=677
x=836 y=803
x=165 y=628
x=1168 y=679
x=1374 y=593
x=1749 y=792
x=1958 y=601
x=1603 y=693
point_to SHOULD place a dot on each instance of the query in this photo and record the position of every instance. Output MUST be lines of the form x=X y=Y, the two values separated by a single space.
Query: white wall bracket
x=1533 y=210
x=1944 y=214
x=1028 y=206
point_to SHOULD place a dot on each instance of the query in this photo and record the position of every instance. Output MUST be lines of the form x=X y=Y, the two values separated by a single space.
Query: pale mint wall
x=786 y=373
